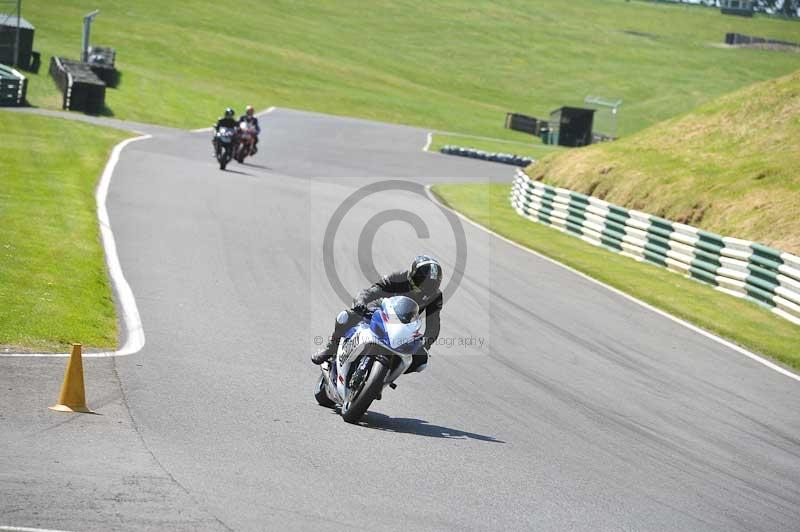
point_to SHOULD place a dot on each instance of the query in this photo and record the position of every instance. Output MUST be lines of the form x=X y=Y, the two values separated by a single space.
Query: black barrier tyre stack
x=505 y=158
x=82 y=89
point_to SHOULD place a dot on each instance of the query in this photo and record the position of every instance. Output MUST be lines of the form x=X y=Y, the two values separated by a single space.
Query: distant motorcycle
x=224 y=137
x=371 y=356
x=247 y=142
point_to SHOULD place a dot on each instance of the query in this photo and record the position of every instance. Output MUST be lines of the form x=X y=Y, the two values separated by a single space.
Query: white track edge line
x=28 y=529
x=428 y=143
x=134 y=333
x=203 y=129
x=629 y=297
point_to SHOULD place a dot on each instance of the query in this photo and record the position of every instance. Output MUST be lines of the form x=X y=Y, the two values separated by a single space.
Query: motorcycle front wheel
x=356 y=405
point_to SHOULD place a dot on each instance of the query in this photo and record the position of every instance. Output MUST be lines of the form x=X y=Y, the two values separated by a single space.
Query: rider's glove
x=360 y=308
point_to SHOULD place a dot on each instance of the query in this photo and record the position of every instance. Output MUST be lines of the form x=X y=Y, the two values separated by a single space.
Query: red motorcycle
x=247 y=142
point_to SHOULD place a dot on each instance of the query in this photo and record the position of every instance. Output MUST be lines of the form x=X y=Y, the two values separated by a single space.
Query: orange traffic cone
x=73 y=394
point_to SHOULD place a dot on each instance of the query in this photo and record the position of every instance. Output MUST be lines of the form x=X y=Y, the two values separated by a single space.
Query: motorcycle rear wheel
x=353 y=410
x=321 y=395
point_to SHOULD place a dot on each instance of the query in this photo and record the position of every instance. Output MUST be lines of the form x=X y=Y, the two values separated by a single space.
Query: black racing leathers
x=226 y=122
x=397 y=284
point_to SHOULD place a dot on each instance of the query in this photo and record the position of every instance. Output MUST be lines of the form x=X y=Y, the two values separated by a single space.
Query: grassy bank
x=455 y=65
x=534 y=150
x=731 y=166
x=743 y=322
x=54 y=285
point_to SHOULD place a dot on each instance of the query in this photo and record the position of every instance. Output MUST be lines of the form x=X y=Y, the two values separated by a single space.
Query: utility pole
x=87 y=23
x=16 y=37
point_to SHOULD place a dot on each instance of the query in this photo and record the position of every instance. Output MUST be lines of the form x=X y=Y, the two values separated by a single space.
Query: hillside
x=454 y=65
x=731 y=166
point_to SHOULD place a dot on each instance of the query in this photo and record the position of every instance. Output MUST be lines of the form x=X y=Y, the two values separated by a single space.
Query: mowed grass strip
x=745 y=323
x=450 y=65
x=54 y=286
x=532 y=149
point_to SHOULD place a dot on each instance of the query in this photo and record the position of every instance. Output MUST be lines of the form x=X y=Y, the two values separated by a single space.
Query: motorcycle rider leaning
x=421 y=283
x=227 y=120
x=250 y=119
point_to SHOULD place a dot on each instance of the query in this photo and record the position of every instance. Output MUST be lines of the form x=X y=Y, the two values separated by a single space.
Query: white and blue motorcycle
x=371 y=356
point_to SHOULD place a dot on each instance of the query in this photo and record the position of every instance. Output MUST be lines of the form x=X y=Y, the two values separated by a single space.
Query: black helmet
x=425 y=274
x=229 y=113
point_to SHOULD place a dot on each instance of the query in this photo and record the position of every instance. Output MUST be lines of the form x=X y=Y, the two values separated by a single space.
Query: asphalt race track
x=550 y=403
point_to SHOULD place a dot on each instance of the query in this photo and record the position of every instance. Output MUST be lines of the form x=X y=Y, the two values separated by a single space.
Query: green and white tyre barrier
x=738 y=267
x=13 y=86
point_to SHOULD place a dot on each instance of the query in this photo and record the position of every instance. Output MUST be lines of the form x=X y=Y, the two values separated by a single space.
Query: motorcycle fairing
x=404 y=338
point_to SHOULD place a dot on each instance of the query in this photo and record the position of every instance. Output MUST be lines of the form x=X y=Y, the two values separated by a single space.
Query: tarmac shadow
x=237 y=172
x=419 y=427
x=257 y=166
x=105 y=111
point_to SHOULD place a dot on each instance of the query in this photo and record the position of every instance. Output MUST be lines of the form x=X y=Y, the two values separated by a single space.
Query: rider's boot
x=324 y=354
x=345 y=320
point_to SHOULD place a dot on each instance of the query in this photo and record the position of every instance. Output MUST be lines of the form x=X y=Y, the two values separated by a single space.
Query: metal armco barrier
x=13 y=86
x=738 y=267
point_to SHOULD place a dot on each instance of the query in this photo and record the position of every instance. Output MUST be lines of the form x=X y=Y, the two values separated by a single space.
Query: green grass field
x=731 y=166
x=54 y=284
x=746 y=323
x=453 y=65
x=533 y=149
